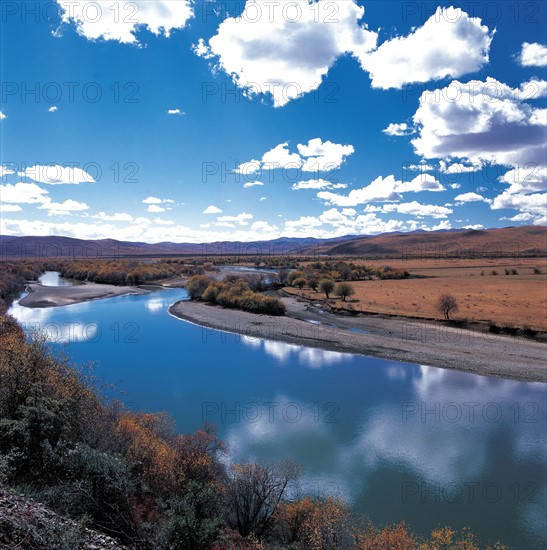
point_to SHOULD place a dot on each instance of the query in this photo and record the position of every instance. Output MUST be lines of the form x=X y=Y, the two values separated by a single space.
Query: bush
x=344 y=290
x=326 y=286
x=300 y=282
x=235 y=293
x=197 y=285
x=447 y=304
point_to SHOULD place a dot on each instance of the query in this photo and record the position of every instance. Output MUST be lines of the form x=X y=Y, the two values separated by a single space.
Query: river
x=399 y=441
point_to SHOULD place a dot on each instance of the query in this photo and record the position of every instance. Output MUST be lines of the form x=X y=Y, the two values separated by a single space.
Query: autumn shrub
x=236 y=293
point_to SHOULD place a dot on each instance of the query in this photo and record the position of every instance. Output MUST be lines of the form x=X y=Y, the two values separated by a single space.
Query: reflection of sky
x=290 y=353
x=368 y=454
x=43 y=322
x=434 y=451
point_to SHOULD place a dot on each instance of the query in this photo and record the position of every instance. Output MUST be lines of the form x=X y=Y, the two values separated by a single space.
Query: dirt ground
x=518 y=300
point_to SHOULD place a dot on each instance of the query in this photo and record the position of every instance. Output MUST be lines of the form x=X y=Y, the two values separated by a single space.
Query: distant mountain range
x=509 y=242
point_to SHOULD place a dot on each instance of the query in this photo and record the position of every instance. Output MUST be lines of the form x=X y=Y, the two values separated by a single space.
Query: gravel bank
x=401 y=339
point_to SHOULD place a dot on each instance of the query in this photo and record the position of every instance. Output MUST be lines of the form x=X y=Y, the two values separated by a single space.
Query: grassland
x=514 y=300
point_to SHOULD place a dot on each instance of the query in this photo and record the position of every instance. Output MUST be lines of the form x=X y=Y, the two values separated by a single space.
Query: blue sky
x=152 y=121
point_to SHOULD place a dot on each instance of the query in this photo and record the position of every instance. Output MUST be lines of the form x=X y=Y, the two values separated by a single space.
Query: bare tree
x=255 y=492
x=447 y=304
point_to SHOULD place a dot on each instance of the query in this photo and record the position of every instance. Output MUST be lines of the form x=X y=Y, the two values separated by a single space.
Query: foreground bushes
x=233 y=293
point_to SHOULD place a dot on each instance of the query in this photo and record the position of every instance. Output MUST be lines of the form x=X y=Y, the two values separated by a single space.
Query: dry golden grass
x=507 y=300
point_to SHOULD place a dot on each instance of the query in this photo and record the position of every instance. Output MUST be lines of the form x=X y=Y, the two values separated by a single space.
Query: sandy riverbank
x=400 y=339
x=53 y=296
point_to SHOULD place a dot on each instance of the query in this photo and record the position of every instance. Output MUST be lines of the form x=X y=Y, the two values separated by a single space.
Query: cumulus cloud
x=117 y=217
x=481 y=122
x=212 y=209
x=55 y=174
x=10 y=207
x=64 y=208
x=533 y=55
x=280 y=157
x=155 y=202
x=252 y=184
x=240 y=219
x=5 y=171
x=287 y=48
x=317 y=184
x=2 y=116
x=470 y=197
x=449 y=44
x=398 y=129
x=120 y=21
x=175 y=112
x=155 y=208
x=263 y=227
x=53 y=109
x=315 y=156
x=248 y=168
x=23 y=193
x=386 y=189
x=417 y=209
x=323 y=156
x=489 y=123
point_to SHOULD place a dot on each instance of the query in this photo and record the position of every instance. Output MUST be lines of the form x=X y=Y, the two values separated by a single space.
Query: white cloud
x=252 y=184
x=121 y=20
x=175 y=112
x=481 y=122
x=262 y=199
x=315 y=156
x=23 y=193
x=280 y=157
x=317 y=184
x=5 y=171
x=263 y=227
x=248 y=168
x=155 y=208
x=455 y=185
x=449 y=44
x=287 y=48
x=380 y=190
x=323 y=156
x=423 y=182
x=53 y=109
x=526 y=179
x=303 y=222
x=2 y=116
x=64 y=208
x=475 y=226
x=470 y=197
x=55 y=174
x=396 y=129
x=212 y=210
x=533 y=55
x=10 y=207
x=154 y=203
x=458 y=167
x=117 y=217
x=417 y=209
x=240 y=219
x=386 y=189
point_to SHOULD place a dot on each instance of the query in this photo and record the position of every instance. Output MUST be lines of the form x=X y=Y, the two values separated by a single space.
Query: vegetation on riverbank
x=235 y=292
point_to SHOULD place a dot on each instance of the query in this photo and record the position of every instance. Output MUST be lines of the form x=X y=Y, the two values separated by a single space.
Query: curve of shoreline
x=399 y=339
x=40 y=296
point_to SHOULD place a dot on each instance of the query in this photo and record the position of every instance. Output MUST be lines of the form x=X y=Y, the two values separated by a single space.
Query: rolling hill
x=506 y=242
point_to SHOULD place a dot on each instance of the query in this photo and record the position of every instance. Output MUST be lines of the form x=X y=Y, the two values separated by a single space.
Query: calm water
x=399 y=441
